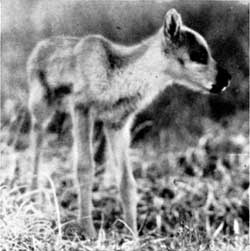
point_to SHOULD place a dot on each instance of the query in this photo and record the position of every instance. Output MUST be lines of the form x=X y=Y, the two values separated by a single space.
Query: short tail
x=44 y=82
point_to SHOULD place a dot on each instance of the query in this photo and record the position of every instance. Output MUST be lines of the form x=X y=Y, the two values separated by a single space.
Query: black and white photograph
x=124 y=125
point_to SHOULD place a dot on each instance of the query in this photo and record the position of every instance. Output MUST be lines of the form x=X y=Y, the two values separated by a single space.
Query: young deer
x=95 y=78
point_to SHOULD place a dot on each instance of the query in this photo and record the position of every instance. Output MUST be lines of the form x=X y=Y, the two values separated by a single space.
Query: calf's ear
x=172 y=25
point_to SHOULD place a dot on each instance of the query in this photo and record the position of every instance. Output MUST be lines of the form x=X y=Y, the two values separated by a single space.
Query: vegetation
x=191 y=200
x=190 y=152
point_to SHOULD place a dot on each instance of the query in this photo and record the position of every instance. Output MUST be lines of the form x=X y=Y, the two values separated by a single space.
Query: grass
x=194 y=199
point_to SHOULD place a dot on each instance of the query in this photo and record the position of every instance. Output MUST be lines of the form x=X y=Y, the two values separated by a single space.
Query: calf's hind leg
x=41 y=114
x=83 y=158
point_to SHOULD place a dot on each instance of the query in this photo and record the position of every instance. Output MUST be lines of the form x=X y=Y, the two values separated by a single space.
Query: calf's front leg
x=118 y=143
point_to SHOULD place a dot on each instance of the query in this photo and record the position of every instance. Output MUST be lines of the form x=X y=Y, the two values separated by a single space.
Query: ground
x=192 y=199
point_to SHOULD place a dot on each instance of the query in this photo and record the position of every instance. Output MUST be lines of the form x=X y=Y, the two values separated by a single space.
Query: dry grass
x=191 y=200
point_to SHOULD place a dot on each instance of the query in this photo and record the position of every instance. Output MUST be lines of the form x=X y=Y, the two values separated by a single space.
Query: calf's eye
x=181 y=61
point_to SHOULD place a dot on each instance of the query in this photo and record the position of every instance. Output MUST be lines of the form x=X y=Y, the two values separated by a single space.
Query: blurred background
x=190 y=151
x=178 y=115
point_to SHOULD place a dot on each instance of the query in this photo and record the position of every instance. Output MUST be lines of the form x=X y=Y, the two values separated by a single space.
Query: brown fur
x=94 y=78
